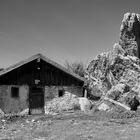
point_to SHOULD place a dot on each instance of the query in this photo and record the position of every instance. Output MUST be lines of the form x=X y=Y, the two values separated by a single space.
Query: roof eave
x=45 y=59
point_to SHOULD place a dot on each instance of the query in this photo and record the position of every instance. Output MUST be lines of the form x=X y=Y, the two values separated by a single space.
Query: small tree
x=76 y=67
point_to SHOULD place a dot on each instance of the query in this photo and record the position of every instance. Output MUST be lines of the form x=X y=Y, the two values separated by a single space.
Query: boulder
x=85 y=104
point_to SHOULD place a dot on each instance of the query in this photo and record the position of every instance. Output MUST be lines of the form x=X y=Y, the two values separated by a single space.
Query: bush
x=76 y=67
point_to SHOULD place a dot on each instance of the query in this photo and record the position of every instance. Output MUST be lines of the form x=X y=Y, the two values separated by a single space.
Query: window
x=14 y=92
x=61 y=92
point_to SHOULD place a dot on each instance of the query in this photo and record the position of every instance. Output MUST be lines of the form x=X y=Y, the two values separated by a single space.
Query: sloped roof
x=46 y=60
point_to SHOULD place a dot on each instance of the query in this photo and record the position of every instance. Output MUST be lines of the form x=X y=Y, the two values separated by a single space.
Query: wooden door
x=36 y=100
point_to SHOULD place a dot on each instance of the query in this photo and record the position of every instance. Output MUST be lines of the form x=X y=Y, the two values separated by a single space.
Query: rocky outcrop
x=108 y=69
x=116 y=91
x=116 y=73
x=130 y=34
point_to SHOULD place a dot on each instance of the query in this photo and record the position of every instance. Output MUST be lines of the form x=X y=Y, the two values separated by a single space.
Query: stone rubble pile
x=65 y=103
x=68 y=102
x=116 y=74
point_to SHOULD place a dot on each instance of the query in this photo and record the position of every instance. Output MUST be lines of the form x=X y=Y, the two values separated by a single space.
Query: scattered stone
x=103 y=107
x=24 y=112
x=74 y=122
x=32 y=120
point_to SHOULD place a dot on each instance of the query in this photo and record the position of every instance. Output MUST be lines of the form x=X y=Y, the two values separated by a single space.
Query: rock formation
x=121 y=66
x=130 y=34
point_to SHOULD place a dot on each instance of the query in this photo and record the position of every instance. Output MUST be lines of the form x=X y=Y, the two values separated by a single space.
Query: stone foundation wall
x=11 y=104
x=53 y=91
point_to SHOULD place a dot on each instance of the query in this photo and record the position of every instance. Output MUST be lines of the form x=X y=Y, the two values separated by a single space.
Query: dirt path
x=70 y=126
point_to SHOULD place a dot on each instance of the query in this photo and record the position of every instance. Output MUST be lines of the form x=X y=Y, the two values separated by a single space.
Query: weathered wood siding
x=43 y=71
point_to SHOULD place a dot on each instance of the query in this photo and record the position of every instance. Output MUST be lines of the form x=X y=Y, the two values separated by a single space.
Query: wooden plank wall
x=47 y=74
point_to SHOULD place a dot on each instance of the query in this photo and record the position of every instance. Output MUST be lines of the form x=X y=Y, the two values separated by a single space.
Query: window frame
x=15 y=94
x=63 y=92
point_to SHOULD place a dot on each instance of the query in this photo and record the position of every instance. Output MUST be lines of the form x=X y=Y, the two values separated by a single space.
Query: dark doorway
x=36 y=100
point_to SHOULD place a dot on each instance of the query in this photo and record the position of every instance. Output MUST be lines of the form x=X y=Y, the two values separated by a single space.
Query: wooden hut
x=34 y=81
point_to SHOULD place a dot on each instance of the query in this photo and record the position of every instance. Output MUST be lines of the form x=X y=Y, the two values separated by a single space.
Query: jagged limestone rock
x=117 y=49
x=130 y=34
x=121 y=65
x=116 y=91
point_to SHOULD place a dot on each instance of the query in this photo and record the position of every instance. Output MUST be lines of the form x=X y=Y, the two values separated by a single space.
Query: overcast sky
x=73 y=30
